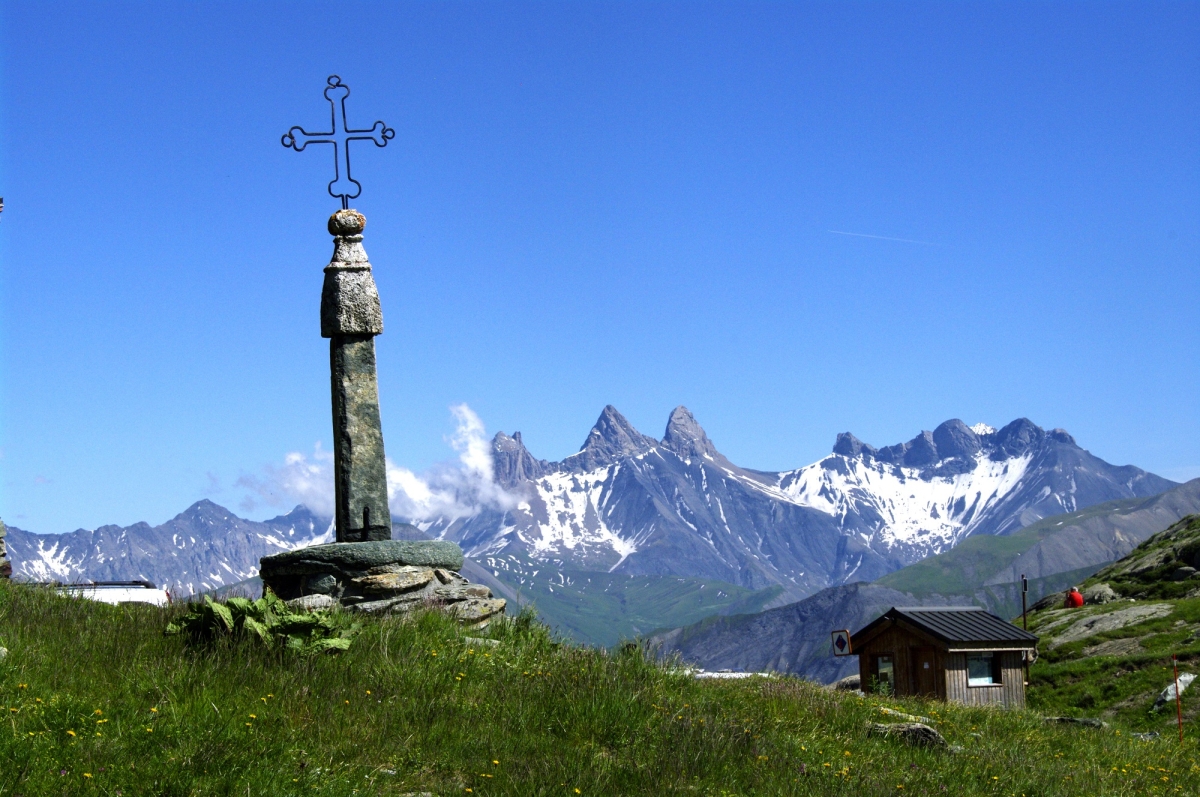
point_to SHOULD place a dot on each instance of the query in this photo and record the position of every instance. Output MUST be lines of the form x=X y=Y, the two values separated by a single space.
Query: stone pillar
x=351 y=317
x=5 y=565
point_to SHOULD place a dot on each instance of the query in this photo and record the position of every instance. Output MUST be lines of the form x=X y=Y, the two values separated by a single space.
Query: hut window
x=983 y=669
x=885 y=674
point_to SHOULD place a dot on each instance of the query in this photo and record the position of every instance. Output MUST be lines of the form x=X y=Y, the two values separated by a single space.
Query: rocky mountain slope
x=790 y=639
x=628 y=503
x=1052 y=553
x=202 y=548
x=794 y=638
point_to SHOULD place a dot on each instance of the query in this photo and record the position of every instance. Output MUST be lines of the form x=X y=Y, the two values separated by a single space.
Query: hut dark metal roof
x=969 y=625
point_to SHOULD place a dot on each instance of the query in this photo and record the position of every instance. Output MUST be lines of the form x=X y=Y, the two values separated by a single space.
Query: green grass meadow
x=96 y=700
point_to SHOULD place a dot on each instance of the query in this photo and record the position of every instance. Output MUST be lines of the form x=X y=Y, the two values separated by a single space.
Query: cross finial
x=343 y=185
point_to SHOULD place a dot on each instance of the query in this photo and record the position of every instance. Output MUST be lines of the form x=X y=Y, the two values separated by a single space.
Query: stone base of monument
x=380 y=577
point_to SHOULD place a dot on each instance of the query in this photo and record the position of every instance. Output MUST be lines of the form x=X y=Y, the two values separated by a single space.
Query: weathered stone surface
x=475 y=610
x=851 y=683
x=458 y=592
x=917 y=734
x=360 y=475
x=346 y=222
x=1114 y=647
x=403 y=579
x=449 y=576
x=1183 y=573
x=311 y=603
x=362 y=556
x=1111 y=621
x=385 y=606
x=1099 y=594
x=323 y=583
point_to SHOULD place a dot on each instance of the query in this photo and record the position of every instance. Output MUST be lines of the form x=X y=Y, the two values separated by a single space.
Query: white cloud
x=456 y=489
x=300 y=479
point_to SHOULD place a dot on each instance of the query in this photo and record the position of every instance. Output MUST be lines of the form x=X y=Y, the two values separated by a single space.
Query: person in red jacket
x=1074 y=599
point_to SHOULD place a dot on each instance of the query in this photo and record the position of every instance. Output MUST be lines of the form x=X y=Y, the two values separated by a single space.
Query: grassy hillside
x=1094 y=663
x=962 y=569
x=97 y=701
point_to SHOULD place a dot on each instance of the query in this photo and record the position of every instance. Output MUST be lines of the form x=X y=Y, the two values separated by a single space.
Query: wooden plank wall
x=899 y=644
x=1010 y=692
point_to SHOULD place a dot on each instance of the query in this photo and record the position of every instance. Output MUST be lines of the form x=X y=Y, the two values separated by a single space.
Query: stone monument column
x=351 y=317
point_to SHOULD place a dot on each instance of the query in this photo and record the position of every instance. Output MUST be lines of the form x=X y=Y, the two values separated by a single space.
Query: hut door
x=924 y=672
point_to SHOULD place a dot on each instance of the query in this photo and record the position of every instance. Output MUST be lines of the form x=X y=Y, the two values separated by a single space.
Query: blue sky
x=590 y=203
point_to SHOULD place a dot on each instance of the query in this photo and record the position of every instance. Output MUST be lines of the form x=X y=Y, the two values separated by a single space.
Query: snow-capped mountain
x=628 y=503
x=202 y=548
x=924 y=496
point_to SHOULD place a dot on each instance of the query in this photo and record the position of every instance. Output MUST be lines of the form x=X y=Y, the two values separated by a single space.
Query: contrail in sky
x=885 y=238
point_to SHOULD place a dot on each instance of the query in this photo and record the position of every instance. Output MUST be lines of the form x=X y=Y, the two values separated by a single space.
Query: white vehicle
x=118 y=592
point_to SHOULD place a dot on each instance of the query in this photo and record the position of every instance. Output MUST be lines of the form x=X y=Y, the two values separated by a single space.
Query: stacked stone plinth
x=380 y=577
x=5 y=565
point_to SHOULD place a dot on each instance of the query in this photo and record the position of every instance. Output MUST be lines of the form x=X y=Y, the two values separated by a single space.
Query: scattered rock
x=3 y=654
x=1183 y=573
x=1114 y=647
x=1168 y=695
x=914 y=733
x=910 y=717
x=850 y=683
x=1087 y=721
x=481 y=642
x=458 y=592
x=476 y=610
x=1111 y=621
x=1145 y=737
x=311 y=603
x=1099 y=594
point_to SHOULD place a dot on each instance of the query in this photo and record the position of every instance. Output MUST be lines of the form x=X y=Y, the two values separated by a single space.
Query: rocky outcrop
x=380 y=577
x=917 y=734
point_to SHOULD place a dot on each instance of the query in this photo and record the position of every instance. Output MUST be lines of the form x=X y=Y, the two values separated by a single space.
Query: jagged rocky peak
x=613 y=438
x=204 y=511
x=301 y=517
x=512 y=462
x=954 y=440
x=1017 y=438
x=686 y=437
x=850 y=446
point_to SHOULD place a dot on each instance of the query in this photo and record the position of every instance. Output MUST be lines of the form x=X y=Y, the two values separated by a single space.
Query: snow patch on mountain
x=895 y=505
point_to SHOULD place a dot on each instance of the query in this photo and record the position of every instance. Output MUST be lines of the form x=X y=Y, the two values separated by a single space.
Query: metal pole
x=1024 y=590
x=1178 y=702
x=1025 y=622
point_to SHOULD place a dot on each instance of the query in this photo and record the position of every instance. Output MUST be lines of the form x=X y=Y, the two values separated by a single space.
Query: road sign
x=841 y=643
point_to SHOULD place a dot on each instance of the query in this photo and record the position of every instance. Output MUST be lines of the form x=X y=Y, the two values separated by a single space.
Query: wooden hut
x=958 y=653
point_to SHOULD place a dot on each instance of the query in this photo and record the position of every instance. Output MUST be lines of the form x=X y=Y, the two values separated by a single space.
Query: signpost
x=841 y=643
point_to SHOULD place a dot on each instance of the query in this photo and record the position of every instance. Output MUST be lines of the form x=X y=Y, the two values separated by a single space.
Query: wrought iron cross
x=343 y=185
